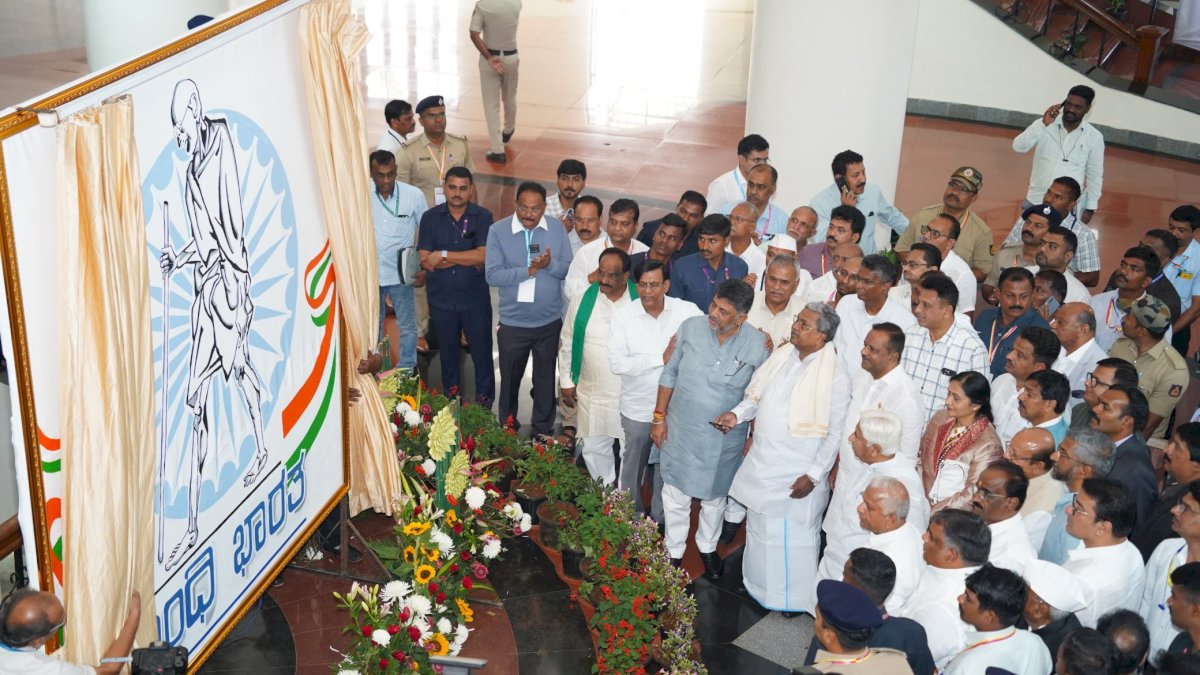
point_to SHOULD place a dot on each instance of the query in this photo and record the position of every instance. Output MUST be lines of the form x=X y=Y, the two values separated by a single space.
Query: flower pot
x=529 y=497
x=587 y=568
x=552 y=516
x=571 y=560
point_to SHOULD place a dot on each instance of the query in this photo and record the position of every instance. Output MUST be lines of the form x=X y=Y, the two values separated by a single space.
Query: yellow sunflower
x=410 y=554
x=440 y=645
x=431 y=553
x=468 y=614
x=416 y=529
x=425 y=574
x=412 y=402
x=451 y=517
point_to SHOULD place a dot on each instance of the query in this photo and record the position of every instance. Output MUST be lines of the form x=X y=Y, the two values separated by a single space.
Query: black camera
x=159 y=658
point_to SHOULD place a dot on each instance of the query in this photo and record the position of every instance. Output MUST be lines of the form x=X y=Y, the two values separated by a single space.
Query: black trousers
x=476 y=323
x=516 y=345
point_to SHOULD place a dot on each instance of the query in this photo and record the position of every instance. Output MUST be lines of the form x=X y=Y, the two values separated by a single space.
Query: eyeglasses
x=959 y=188
x=989 y=495
x=1076 y=508
x=434 y=116
x=933 y=234
x=649 y=285
x=1184 y=508
x=1094 y=381
x=740 y=219
x=530 y=210
x=909 y=264
x=840 y=272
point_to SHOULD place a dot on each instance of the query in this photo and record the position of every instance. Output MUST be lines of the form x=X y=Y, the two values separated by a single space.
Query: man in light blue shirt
x=760 y=188
x=1184 y=272
x=1083 y=454
x=528 y=255
x=396 y=210
x=851 y=189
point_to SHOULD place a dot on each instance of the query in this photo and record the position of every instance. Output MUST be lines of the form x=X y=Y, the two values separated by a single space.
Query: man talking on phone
x=850 y=188
x=1066 y=145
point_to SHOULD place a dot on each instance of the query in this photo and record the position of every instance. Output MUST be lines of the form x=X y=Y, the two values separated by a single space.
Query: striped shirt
x=931 y=364
x=1087 y=256
x=395 y=223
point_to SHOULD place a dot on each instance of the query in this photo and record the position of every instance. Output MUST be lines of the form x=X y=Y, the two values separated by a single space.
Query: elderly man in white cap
x=1054 y=597
x=776 y=306
x=783 y=244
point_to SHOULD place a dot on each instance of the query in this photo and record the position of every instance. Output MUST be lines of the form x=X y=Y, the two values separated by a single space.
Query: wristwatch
x=445 y=253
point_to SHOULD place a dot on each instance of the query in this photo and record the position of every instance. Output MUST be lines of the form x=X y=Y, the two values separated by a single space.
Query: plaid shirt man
x=931 y=364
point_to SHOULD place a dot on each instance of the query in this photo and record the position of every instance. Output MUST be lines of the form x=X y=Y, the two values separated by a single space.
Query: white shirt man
x=1080 y=359
x=1108 y=566
x=1011 y=547
x=755 y=257
x=1170 y=554
x=1078 y=153
x=822 y=289
x=857 y=321
x=585 y=262
x=596 y=388
x=903 y=545
x=731 y=185
x=861 y=503
x=783 y=480
x=960 y=272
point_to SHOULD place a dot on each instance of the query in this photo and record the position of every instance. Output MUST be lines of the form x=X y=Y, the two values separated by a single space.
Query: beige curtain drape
x=106 y=381
x=332 y=38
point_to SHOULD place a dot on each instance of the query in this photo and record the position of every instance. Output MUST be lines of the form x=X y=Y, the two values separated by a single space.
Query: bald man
x=1031 y=449
x=28 y=619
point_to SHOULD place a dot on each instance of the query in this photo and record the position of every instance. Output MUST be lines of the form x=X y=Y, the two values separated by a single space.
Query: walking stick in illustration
x=162 y=435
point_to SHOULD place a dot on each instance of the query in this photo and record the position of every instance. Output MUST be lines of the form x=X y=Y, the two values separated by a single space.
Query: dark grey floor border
x=1134 y=140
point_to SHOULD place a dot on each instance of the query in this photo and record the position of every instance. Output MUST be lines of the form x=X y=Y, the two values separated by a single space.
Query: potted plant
x=535 y=472
x=568 y=485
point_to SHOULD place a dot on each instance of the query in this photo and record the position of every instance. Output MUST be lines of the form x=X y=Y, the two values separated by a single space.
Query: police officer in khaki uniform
x=1162 y=373
x=423 y=163
x=975 y=244
x=846 y=619
x=494 y=33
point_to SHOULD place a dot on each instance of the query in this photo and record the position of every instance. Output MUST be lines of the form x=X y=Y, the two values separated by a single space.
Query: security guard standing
x=423 y=164
x=494 y=33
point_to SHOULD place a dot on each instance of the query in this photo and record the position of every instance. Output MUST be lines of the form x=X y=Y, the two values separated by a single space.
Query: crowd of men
x=965 y=456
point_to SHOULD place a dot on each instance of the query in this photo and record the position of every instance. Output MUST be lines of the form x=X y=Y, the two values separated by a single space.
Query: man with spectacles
x=1075 y=325
x=776 y=306
x=1110 y=568
x=1181 y=459
x=638 y=346
x=974 y=243
x=916 y=261
x=1163 y=375
x=845 y=227
x=850 y=188
x=751 y=151
x=396 y=213
x=1169 y=555
x=527 y=259
x=588 y=383
x=741 y=240
x=1108 y=372
x=999 y=494
x=1120 y=412
x=1036 y=221
x=802 y=225
x=760 y=189
x=832 y=286
x=1084 y=453
x=29 y=619
x=942 y=233
x=1031 y=450
x=869 y=306
x=690 y=210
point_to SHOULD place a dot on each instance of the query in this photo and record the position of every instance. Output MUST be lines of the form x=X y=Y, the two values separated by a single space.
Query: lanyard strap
x=1000 y=638
x=708 y=276
x=440 y=165
x=993 y=345
x=395 y=211
x=739 y=181
x=528 y=242
x=767 y=226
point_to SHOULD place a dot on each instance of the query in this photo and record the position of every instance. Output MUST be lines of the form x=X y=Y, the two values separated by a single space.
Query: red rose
x=404 y=614
x=465 y=556
x=458 y=528
x=433 y=587
x=480 y=570
x=441 y=598
x=420 y=469
x=393 y=629
x=467 y=584
x=453 y=568
x=414 y=633
x=417 y=508
x=383 y=663
x=367 y=630
x=398 y=655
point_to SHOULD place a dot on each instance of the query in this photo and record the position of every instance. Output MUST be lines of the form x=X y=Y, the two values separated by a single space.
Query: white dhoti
x=779 y=563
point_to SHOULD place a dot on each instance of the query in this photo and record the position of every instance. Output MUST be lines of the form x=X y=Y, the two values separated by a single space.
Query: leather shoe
x=713 y=565
x=728 y=532
x=497 y=157
x=506 y=136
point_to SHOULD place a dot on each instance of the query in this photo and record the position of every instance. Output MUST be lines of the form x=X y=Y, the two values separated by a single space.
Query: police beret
x=430 y=102
x=847 y=607
x=1044 y=210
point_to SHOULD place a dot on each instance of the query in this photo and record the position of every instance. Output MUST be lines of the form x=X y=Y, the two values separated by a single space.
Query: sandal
x=566 y=438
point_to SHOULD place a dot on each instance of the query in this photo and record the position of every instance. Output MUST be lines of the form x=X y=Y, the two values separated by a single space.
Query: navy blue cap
x=847 y=607
x=1043 y=210
x=430 y=102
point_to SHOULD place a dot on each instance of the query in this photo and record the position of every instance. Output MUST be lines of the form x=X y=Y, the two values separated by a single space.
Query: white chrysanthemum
x=418 y=604
x=381 y=637
x=444 y=626
x=411 y=418
x=475 y=497
x=444 y=543
x=526 y=523
x=429 y=467
x=512 y=511
x=395 y=590
x=491 y=548
x=460 y=633
x=348 y=672
x=403 y=407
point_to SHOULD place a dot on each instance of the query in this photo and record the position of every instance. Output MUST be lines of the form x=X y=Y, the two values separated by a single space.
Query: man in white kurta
x=619 y=233
x=999 y=495
x=776 y=306
x=783 y=480
x=1075 y=325
x=870 y=304
x=585 y=373
x=874 y=441
x=1108 y=566
x=957 y=543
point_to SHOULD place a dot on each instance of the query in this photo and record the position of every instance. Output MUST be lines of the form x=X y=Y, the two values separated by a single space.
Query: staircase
x=1124 y=44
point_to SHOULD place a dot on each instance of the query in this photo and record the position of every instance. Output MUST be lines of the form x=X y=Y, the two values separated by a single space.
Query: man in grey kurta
x=711 y=361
